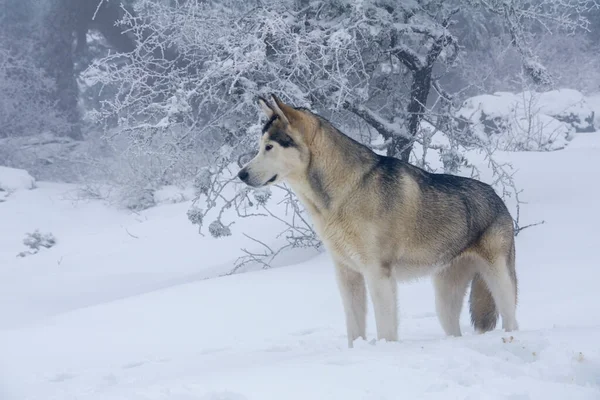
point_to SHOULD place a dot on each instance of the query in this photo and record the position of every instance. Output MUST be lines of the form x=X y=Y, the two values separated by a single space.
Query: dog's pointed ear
x=264 y=105
x=285 y=112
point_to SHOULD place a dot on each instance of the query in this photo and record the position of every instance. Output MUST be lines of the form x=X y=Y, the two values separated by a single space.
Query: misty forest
x=124 y=123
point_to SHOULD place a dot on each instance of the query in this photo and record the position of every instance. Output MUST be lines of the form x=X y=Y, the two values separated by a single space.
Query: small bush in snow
x=196 y=216
x=203 y=182
x=137 y=198
x=36 y=241
x=217 y=229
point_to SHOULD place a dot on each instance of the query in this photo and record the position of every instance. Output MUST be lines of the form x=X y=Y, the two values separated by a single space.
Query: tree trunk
x=419 y=91
x=67 y=22
x=57 y=45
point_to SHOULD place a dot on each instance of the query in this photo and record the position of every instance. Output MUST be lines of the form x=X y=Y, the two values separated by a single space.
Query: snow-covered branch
x=385 y=128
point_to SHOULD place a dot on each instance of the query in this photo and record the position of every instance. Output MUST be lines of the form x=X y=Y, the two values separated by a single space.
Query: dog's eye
x=268 y=147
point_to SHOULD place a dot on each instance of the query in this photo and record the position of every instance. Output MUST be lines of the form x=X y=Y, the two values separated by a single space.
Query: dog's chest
x=354 y=244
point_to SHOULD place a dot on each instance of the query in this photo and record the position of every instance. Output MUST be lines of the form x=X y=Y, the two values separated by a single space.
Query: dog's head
x=283 y=147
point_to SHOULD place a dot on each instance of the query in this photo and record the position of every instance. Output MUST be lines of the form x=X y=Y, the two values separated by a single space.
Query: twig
x=519 y=229
x=131 y=234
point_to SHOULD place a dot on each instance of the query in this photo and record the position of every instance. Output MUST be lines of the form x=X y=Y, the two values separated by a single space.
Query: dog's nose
x=243 y=175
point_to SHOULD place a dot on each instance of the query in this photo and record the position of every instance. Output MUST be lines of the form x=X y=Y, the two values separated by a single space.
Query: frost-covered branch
x=566 y=15
x=385 y=128
x=409 y=57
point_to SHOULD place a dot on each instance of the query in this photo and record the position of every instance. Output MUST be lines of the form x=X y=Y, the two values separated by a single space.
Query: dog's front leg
x=382 y=288
x=354 y=299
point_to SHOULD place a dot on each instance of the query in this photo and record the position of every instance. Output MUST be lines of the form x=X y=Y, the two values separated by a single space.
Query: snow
x=594 y=102
x=172 y=194
x=566 y=104
x=133 y=306
x=12 y=179
x=492 y=105
x=530 y=121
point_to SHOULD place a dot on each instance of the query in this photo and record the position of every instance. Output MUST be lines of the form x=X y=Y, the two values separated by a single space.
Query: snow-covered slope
x=120 y=309
x=12 y=179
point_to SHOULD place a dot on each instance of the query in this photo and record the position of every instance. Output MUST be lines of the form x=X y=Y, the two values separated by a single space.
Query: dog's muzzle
x=243 y=175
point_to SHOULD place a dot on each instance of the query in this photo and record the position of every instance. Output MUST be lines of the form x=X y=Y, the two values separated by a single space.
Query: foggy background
x=138 y=94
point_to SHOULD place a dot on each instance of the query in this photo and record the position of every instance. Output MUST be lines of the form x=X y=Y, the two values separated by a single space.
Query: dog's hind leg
x=382 y=288
x=450 y=288
x=354 y=299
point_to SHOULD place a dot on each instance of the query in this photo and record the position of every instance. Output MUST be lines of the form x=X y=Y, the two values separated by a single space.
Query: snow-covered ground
x=122 y=308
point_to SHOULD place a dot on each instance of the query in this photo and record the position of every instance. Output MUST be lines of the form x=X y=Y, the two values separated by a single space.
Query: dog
x=384 y=220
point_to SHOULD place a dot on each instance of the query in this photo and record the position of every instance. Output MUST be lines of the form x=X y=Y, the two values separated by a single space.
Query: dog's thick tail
x=484 y=313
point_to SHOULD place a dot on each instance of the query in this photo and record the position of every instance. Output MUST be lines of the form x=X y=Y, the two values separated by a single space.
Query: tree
x=379 y=60
x=523 y=17
x=367 y=65
x=67 y=22
x=26 y=93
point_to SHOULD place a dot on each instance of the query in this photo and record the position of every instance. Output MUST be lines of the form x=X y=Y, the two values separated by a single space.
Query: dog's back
x=455 y=211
